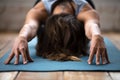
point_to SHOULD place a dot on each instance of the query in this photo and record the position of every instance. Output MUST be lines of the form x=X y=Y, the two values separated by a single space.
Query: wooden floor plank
x=114 y=37
x=115 y=75
x=7 y=40
x=6 y=48
x=8 y=75
x=3 y=43
x=40 y=76
x=86 y=76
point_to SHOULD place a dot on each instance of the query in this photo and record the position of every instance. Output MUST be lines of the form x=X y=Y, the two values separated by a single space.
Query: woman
x=42 y=11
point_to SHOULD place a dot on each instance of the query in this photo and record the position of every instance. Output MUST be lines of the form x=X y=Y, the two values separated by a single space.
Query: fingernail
x=15 y=63
x=89 y=62
x=25 y=62
x=105 y=62
x=5 y=63
x=97 y=63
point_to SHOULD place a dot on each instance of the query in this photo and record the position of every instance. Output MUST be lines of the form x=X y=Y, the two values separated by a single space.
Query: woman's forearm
x=33 y=19
x=29 y=30
x=92 y=28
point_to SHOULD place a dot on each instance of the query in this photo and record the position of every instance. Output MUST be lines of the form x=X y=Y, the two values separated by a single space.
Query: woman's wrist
x=22 y=37
x=97 y=37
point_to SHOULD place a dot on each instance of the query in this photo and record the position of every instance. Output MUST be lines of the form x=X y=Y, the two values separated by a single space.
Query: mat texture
x=41 y=64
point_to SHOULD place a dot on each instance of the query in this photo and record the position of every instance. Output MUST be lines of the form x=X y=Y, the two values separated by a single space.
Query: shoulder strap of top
x=79 y=4
x=48 y=4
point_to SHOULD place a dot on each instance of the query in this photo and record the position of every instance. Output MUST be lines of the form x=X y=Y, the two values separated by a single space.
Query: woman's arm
x=34 y=16
x=92 y=31
x=91 y=20
x=33 y=19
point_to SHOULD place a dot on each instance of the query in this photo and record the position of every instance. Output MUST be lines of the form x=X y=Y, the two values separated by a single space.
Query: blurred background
x=12 y=14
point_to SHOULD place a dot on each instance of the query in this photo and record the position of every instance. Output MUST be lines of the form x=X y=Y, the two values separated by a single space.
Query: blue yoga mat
x=41 y=64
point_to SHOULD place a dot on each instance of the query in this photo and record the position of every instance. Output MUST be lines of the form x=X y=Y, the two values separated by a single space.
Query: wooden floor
x=6 y=42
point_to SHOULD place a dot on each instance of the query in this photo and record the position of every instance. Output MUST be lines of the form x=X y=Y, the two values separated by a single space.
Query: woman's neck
x=65 y=7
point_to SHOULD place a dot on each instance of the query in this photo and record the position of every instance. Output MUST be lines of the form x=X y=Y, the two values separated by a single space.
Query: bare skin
x=39 y=14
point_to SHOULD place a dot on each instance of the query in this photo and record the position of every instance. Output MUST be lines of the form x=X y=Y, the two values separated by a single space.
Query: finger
x=98 y=56
x=16 y=57
x=9 y=58
x=24 y=57
x=106 y=55
x=28 y=56
x=91 y=56
x=103 y=57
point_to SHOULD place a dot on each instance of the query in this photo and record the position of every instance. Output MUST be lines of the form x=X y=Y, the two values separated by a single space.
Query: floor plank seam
x=110 y=76
x=63 y=75
x=16 y=75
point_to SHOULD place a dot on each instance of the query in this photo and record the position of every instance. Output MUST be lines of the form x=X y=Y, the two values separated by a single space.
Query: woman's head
x=63 y=33
x=64 y=29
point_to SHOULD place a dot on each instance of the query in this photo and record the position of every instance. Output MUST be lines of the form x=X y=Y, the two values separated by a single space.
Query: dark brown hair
x=63 y=35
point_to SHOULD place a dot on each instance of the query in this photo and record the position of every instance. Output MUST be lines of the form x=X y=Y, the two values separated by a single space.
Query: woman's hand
x=98 y=48
x=20 y=47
